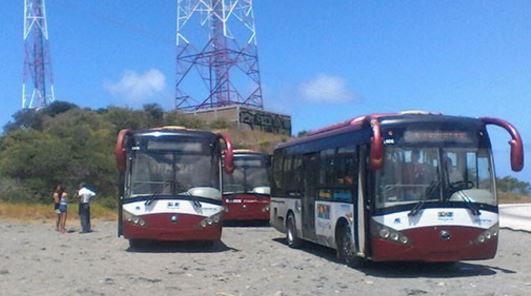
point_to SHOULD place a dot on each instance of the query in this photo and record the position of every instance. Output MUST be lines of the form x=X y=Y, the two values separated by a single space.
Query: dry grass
x=31 y=212
x=256 y=140
x=506 y=197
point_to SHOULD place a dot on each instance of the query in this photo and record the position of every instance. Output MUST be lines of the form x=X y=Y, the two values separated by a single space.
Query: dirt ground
x=37 y=260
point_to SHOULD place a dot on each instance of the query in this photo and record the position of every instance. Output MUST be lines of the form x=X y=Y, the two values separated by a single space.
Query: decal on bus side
x=323 y=224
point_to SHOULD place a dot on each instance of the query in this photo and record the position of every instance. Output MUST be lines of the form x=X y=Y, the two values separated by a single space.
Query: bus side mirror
x=376 y=153
x=517 y=146
x=119 y=150
x=228 y=159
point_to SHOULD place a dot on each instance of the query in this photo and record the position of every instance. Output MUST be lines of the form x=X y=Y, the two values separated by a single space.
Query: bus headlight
x=132 y=219
x=212 y=220
x=265 y=209
x=384 y=233
x=388 y=233
x=487 y=235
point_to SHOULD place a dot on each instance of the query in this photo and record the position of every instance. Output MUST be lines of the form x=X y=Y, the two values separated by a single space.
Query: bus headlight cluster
x=265 y=209
x=130 y=218
x=487 y=235
x=388 y=233
x=212 y=220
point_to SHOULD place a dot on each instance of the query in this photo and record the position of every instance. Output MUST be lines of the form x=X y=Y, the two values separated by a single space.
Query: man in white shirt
x=85 y=195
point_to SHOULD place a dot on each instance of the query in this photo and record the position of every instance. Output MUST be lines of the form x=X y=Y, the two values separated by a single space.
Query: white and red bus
x=246 y=191
x=170 y=184
x=412 y=186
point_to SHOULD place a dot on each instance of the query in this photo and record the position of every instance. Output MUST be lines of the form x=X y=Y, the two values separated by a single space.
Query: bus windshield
x=173 y=173
x=249 y=176
x=435 y=174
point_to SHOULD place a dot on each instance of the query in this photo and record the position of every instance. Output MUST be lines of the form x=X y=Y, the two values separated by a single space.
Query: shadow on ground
x=251 y=223
x=180 y=247
x=407 y=269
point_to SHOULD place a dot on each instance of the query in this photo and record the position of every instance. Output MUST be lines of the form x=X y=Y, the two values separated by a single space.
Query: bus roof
x=174 y=131
x=362 y=122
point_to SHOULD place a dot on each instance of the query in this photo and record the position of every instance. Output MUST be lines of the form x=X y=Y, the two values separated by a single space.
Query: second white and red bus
x=246 y=192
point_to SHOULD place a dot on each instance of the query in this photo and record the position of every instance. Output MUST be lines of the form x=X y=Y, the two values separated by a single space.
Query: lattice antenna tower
x=217 y=58
x=37 y=85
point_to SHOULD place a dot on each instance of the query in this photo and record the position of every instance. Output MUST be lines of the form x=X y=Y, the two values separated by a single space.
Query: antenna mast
x=217 y=59
x=37 y=85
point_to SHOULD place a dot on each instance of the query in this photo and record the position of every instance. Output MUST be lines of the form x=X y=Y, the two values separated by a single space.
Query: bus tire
x=291 y=233
x=345 y=249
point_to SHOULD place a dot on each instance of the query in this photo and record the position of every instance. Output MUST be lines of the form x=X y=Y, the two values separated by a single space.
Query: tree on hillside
x=513 y=185
x=122 y=118
x=179 y=119
x=26 y=118
x=35 y=160
x=71 y=147
x=154 y=115
x=58 y=107
x=32 y=118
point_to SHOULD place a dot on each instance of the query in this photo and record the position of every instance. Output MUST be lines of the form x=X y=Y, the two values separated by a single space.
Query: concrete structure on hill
x=247 y=118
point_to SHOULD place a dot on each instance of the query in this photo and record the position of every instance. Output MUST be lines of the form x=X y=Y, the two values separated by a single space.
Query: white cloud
x=326 y=88
x=138 y=87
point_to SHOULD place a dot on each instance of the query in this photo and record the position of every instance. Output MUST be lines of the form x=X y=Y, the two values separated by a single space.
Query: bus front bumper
x=425 y=244
x=172 y=227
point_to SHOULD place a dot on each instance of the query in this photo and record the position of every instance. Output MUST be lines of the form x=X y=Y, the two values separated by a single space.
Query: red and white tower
x=217 y=59
x=37 y=85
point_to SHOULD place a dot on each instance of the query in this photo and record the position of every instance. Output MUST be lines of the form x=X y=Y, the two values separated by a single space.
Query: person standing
x=56 y=196
x=63 y=208
x=85 y=195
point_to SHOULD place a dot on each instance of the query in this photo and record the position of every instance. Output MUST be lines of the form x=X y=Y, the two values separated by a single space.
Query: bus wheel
x=291 y=233
x=345 y=249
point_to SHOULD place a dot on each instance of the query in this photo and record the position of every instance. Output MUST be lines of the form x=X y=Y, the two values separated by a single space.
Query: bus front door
x=311 y=175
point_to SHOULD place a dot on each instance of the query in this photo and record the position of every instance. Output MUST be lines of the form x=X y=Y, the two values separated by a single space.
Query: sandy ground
x=36 y=260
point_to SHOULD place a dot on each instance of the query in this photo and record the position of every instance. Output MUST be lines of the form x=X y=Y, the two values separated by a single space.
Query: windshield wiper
x=430 y=191
x=414 y=211
x=470 y=204
x=151 y=197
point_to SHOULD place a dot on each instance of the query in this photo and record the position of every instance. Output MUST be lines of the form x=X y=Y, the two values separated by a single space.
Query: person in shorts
x=63 y=208
x=56 y=197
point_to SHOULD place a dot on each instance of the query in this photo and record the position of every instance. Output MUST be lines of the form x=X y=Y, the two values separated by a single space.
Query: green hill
x=65 y=144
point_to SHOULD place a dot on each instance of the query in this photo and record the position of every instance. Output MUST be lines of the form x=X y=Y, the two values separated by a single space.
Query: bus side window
x=327 y=170
x=338 y=173
x=292 y=178
x=347 y=165
x=277 y=188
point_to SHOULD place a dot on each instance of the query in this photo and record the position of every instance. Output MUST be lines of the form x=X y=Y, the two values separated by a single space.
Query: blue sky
x=321 y=62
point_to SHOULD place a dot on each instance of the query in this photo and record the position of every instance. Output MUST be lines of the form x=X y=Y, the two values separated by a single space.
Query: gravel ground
x=35 y=259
